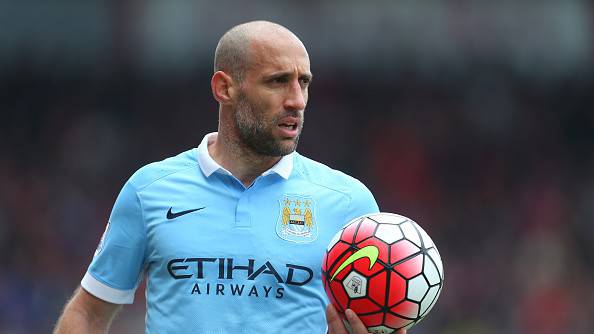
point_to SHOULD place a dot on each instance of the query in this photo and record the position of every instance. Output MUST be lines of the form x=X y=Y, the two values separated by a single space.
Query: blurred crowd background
x=475 y=118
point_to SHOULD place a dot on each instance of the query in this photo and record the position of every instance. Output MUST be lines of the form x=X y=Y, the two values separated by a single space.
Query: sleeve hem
x=107 y=293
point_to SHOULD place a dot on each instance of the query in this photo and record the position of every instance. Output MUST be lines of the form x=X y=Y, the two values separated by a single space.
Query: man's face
x=271 y=102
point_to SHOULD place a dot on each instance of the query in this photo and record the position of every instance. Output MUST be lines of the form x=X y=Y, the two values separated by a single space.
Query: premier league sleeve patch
x=296 y=221
x=102 y=240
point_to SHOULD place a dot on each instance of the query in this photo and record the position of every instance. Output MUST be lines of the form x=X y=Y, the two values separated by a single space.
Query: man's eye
x=279 y=80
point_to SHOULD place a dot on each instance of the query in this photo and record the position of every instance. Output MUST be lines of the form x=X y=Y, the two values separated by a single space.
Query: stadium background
x=473 y=118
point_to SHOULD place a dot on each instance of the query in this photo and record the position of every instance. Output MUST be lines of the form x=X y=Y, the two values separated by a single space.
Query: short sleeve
x=116 y=268
x=362 y=202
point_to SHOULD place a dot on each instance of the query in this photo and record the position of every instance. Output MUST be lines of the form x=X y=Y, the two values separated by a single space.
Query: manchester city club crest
x=296 y=221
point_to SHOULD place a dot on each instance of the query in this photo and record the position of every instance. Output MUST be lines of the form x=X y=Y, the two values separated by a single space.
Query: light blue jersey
x=222 y=258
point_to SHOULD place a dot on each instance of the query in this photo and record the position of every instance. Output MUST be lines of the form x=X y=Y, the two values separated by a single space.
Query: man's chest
x=275 y=234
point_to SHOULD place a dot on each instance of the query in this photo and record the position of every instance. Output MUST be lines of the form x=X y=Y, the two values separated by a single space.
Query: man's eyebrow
x=281 y=74
x=278 y=74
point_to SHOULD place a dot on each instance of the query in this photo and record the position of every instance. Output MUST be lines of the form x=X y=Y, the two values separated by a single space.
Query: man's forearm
x=76 y=321
x=86 y=314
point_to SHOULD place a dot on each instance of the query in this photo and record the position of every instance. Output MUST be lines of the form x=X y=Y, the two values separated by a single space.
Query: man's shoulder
x=323 y=175
x=158 y=170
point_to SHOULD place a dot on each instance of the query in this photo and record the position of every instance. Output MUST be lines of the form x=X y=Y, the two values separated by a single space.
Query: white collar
x=283 y=167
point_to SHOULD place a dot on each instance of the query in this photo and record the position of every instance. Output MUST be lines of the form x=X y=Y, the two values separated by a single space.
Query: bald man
x=229 y=235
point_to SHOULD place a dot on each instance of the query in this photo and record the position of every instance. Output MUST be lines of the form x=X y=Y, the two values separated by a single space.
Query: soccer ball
x=386 y=269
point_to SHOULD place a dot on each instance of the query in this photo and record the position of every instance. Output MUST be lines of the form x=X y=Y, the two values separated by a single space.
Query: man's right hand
x=336 y=326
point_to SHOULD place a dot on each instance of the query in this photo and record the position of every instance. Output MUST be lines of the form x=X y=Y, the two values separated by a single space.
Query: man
x=230 y=235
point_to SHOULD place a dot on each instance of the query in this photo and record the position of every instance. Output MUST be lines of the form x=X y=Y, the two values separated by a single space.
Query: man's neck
x=240 y=161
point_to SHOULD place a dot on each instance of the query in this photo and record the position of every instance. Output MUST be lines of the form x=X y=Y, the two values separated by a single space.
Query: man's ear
x=223 y=87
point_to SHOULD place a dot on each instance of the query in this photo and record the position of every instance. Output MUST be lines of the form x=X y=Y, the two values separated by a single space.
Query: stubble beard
x=256 y=131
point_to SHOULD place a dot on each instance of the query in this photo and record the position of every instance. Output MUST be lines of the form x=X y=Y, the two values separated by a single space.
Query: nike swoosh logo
x=173 y=215
x=371 y=252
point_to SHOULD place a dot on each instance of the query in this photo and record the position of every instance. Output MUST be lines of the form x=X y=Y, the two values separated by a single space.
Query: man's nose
x=296 y=97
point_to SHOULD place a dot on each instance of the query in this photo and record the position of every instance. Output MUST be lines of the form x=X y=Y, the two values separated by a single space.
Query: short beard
x=255 y=132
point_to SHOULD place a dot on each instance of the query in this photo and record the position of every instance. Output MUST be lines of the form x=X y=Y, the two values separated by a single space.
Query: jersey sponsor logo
x=173 y=215
x=370 y=252
x=296 y=221
x=243 y=278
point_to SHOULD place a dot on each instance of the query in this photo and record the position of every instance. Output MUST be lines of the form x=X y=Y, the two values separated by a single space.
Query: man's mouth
x=289 y=126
